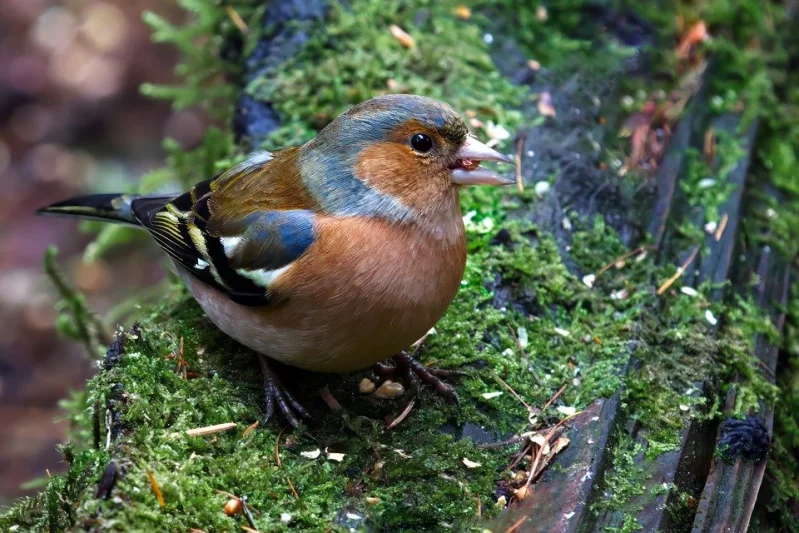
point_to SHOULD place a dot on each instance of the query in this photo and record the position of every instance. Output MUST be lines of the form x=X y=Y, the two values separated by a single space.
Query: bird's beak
x=467 y=170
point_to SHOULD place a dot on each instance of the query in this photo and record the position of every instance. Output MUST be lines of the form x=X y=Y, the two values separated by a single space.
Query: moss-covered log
x=629 y=307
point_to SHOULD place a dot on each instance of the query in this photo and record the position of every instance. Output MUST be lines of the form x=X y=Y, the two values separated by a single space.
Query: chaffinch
x=330 y=256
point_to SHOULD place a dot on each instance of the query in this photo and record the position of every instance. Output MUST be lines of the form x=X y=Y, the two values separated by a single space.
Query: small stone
x=389 y=389
x=533 y=64
x=366 y=386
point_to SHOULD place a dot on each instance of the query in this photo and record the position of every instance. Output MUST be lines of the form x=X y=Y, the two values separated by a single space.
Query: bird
x=331 y=256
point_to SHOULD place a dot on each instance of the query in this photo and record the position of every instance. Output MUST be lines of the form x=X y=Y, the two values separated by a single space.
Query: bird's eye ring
x=421 y=142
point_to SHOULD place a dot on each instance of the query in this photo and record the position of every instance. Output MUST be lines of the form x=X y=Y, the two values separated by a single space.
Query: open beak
x=467 y=170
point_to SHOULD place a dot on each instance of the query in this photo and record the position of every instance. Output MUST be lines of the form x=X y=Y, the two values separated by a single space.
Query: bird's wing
x=238 y=231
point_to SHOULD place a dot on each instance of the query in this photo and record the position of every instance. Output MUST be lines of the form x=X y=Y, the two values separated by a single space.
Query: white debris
x=521 y=335
x=684 y=408
x=285 y=518
x=689 y=291
x=711 y=227
x=706 y=183
x=541 y=187
x=470 y=464
x=712 y=320
x=313 y=454
x=566 y=410
x=589 y=280
x=562 y=332
x=490 y=395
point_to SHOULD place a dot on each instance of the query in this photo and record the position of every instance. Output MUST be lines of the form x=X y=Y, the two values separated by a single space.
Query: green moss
x=517 y=290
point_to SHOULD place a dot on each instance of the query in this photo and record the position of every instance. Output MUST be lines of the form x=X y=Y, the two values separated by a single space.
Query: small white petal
x=313 y=454
x=562 y=332
x=711 y=226
x=490 y=395
x=712 y=320
x=471 y=464
x=285 y=518
x=706 y=183
x=338 y=457
x=684 y=408
x=589 y=280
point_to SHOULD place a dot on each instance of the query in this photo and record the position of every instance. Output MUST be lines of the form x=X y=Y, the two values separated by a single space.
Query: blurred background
x=71 y=120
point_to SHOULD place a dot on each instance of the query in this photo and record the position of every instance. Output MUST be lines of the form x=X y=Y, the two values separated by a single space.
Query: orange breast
x=362 y=292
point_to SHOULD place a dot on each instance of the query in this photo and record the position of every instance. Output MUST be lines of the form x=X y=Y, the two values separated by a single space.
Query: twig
x=156 y=489
x=277 y=445
x=524 y=354
x=555 y=396
x=479 y=507
x=329 y=399
x=516 y=524
x=293 y=490
x=621 y=258
x=237 y=20
x=680 y=271
x=722 y=227
x=540 y=452
x=500 y=444
x=518 y=160
x=516 y=394
x=90 y=328
x=210 y=430
x=403 y=415
x=250 y=428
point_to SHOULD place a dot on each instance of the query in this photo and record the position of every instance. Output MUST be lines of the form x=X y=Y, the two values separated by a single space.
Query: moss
x=516 y=287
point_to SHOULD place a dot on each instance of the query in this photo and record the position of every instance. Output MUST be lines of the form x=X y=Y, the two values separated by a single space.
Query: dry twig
x=403 y=415
x=680 y=271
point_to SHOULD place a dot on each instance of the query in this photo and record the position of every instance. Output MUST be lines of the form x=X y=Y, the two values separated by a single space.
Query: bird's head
x=395 y=155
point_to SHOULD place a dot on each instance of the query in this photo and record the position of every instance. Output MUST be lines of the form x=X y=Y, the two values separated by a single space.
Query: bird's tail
x=120 y=208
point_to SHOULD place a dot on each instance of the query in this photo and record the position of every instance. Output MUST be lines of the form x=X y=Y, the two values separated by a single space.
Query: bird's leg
x=276 y=394
x=405 y=366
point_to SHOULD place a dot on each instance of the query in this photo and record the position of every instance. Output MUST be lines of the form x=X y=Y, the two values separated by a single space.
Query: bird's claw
x=405 y=366
x=277 y=395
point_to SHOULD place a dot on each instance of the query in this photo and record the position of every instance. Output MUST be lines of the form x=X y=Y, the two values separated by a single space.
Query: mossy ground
x=516 y=287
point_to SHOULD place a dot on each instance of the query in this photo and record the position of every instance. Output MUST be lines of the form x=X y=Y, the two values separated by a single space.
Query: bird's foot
x=408 y=368
x=277 y=394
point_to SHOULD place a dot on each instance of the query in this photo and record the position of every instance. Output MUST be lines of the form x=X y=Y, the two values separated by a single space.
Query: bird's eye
x=421 y=142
